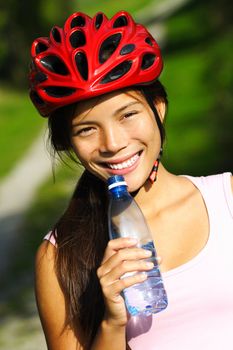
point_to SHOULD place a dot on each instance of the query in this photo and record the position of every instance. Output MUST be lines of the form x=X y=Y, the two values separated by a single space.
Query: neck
x=157 y=195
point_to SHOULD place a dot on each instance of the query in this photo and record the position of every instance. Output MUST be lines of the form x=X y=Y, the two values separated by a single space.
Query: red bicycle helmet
x=90 y=57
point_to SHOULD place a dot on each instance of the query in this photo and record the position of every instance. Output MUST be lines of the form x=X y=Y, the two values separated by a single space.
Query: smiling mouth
x=124 y=165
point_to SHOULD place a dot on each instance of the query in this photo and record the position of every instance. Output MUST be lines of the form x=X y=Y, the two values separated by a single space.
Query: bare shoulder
x=45 y=253
x=51 y=302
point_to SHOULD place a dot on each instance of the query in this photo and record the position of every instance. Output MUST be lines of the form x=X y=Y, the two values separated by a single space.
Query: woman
x=97 y=82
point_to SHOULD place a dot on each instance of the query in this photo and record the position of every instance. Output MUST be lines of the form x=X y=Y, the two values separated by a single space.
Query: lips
x=125 y=164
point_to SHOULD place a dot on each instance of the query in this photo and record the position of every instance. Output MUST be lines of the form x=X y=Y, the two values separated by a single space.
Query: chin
x=134 y=184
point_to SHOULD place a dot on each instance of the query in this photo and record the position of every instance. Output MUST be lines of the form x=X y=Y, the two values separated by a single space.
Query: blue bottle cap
x=116 y=180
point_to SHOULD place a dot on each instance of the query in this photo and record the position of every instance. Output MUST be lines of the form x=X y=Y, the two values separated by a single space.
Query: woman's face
x=116 y=134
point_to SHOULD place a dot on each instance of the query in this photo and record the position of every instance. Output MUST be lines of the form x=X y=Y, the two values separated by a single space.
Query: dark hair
x=82 y=233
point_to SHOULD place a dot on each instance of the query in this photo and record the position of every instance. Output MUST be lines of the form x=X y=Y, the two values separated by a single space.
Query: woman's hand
x=121 y=257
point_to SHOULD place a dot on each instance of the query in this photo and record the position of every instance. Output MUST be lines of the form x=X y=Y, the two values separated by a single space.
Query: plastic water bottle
x=125 y=219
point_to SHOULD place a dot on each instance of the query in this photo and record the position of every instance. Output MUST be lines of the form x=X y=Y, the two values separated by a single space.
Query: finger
x=112 y=292
x=122 y=242
x=116 y=244
x=122 y=255
x=125 y=268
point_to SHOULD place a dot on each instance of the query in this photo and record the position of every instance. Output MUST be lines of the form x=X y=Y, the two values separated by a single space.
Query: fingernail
x=150 y=264
x=147 y=252
x=132 y=240
x=142 y=276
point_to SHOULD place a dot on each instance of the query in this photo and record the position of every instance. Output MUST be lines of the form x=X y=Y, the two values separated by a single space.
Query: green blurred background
x=196 y=40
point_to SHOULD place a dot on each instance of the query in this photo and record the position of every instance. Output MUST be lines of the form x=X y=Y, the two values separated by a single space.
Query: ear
x=161 y=109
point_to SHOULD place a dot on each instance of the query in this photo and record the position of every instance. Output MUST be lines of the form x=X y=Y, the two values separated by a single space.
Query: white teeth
x=125 y=164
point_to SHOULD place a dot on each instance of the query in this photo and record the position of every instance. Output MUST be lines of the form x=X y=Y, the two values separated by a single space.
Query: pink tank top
x=199 y=315
x=200 y=292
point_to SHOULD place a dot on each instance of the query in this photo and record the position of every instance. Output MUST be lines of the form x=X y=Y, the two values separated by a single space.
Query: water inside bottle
x=148 y=297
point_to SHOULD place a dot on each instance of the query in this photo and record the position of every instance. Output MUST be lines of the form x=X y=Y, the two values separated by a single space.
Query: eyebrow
x=81 y=123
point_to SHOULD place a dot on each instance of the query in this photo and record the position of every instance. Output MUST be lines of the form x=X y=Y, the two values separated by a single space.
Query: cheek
x=148 y=129
x=82 y=150
x=155 y=137
x=142 y=128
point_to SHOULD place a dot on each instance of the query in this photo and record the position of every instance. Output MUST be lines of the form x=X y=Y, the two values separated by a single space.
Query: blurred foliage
x=20 y=22
x=19 y=125
x=111 y=7
x=199 y=78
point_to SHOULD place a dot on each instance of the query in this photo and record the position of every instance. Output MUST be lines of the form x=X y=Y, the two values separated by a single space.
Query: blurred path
x=17 y=192
x=20 y=333
x=156 y=12
x=154 y=15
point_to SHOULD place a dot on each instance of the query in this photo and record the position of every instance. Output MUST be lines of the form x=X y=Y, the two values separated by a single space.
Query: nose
x=113 y=139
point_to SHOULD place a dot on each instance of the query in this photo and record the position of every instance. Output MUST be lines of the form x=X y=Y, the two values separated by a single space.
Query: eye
x=84 y=131
x=129 y=114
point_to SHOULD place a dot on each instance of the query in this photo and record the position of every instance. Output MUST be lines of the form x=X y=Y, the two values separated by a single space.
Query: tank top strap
x=228 y=191
x=51 y=238
x=216 y=191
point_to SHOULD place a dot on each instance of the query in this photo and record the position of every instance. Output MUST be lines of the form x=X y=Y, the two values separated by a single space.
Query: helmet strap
x=154 y=171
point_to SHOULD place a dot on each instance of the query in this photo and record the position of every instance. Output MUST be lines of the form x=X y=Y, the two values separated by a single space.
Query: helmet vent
x=40 y=77
x=99 y=20
x=117 y=72
x=40 y=47
x=127 y=49
x=54 y=65
x=108 y=47
x=59 y=91
x=77 y=39
x=78 y=21
x=149 y=41
x=56 y=35
x=120 y=22
x=147 y=61
x=81 y=63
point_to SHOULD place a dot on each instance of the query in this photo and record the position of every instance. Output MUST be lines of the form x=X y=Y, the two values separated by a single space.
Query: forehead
x=114 y=100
